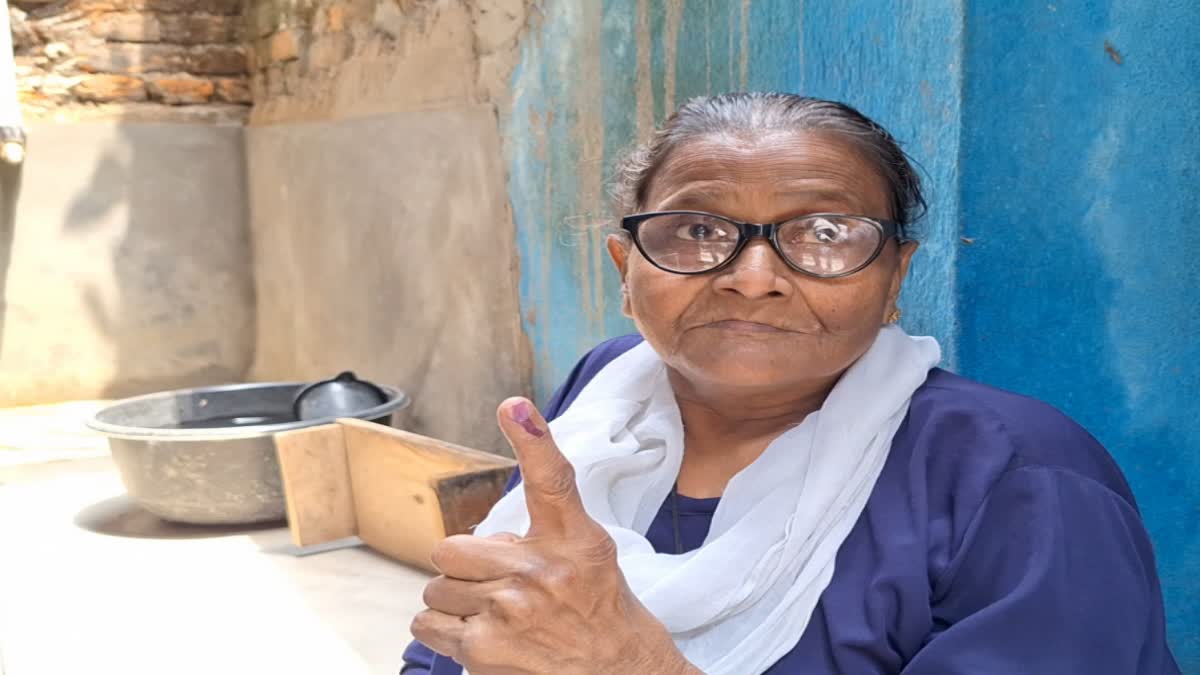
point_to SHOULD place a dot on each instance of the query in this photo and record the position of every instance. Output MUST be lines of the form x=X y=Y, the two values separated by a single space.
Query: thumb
x=551 y=496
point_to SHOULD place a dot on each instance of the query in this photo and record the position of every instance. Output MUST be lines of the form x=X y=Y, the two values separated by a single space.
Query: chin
x=746 y=364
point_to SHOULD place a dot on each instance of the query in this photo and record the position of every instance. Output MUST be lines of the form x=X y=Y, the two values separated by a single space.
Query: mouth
x=738 y=326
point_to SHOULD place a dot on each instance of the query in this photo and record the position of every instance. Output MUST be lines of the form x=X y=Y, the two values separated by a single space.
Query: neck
x=726 y=429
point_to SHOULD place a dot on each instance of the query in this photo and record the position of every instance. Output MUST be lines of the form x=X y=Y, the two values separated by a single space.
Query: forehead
x=769 y=177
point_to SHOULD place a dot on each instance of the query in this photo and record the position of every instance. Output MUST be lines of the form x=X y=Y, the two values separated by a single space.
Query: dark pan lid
x=342 y=395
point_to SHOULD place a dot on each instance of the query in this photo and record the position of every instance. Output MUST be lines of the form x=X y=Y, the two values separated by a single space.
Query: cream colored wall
x=124 y=261
x=383 y=239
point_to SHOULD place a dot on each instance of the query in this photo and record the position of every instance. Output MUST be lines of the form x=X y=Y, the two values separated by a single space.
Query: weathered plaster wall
x=594 y=77
x=383 y=237
x=380 y=247
x=124 y=261
x=124 y=265
x=323 y=59
x=1080 y=177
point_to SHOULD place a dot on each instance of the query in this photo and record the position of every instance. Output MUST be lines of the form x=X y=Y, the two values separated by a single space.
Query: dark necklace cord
x=675 y=518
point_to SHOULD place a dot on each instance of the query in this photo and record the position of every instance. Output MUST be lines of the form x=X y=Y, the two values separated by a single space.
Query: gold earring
x=894 y=316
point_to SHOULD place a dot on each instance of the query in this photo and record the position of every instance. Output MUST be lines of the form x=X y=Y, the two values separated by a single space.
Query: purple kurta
x=1000 y=539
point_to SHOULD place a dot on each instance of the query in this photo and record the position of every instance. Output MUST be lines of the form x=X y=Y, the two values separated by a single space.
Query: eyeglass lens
x=822 y=245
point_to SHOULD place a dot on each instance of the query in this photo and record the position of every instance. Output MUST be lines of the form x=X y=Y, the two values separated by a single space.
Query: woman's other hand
x=552 y=602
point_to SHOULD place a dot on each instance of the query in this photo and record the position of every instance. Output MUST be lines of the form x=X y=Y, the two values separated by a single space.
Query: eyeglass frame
x=769 y=231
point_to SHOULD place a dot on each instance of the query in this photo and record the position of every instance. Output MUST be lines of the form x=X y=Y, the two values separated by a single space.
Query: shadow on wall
x=128 y=262
x=178 y=306
x=10 y=191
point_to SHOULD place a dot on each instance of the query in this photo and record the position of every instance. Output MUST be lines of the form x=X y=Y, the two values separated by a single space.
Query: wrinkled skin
x=554 y=601
x=751 y=349
x=754 y=347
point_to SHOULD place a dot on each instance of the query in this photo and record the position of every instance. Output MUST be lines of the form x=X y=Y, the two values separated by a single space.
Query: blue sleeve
x=419 y=659
x=1055 y=574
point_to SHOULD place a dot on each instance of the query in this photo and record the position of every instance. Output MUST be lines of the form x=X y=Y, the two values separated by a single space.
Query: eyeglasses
x=824 y=245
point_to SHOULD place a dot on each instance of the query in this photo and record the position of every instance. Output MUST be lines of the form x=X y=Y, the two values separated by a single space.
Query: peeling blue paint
x=903 y=70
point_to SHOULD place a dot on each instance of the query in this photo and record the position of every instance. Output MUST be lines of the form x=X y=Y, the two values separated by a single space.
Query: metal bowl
x=207 y=456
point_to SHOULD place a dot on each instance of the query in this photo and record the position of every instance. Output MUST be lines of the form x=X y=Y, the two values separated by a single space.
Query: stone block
x=232 y=90
x=54 y=84
x=160 y=58
x=180 y=90
x=189 y=28
x=293 y=78
x=105 y=87
x=199 y=28
x=284 y=46
x=264 y=17
x=23 y=34
x=258 y=86
x=226 y=7
x=57 y=51
x=132 y=58
x=126 y=27
x=65 y=27
x=336 y=19
x=497 y=22
x=388 y=18
x=274 y=81
x=328 y=51
x=217 y=60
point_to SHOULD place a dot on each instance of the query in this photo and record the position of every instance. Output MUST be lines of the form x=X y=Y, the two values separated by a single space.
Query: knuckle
x=479 y=647
x=599 y=549
x=559 y=578
x=559 y=483
x=513 y=605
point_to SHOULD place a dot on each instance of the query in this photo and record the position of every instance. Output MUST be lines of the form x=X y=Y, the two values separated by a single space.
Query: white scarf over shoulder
x=741 y=601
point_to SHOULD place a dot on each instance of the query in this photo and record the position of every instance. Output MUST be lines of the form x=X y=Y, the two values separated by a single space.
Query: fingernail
x=522 y=413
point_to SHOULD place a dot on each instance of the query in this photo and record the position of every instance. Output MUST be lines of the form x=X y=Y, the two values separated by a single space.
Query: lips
x=739 y=326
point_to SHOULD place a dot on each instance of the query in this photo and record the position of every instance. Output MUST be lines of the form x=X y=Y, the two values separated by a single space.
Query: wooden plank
x=429 y=457
x=316 y=484
x=466 y=499
x=408 y=488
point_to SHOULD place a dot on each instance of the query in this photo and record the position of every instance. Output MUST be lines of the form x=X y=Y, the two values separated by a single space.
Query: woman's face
x=756 y=324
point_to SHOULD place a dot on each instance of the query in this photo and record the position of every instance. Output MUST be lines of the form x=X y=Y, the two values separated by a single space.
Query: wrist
x=668 y=660
x=676 y=664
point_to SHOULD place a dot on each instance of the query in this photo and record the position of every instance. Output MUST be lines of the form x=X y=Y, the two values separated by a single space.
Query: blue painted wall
x=595 y=77
x=1074 y=176
x=1081 y=188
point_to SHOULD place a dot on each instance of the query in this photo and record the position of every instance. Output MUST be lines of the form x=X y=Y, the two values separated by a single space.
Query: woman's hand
x=552 y=602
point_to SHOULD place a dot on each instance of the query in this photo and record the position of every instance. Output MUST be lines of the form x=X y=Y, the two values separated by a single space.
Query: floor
x=91 y=583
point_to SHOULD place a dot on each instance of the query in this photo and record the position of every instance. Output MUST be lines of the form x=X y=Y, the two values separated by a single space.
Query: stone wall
x=140 y=54
x=321 y=59
x=383 y=237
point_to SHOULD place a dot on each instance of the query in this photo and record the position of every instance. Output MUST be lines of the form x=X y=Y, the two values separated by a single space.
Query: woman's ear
x=907 y=249
x=618 y=249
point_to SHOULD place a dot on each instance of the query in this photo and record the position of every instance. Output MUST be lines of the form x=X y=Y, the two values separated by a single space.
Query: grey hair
x=760 y=112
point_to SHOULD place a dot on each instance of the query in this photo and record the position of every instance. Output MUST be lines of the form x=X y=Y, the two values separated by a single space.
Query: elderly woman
x=772 y=477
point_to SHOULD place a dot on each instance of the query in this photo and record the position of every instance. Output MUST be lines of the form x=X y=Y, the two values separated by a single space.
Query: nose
x=757 y=272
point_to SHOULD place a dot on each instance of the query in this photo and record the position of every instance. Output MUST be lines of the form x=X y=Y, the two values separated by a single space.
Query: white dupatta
x=740 y=602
